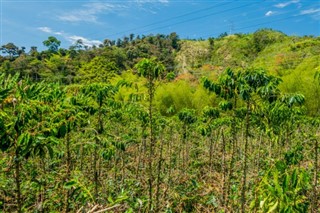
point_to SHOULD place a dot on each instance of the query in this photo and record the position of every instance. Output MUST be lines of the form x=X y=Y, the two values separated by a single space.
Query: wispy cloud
x=45 y=29
x=49 y=30
x=152 y=1
x=149 y=6
x=310 y=11
x=84 y=40
x=89 y=12
x=285 y=4
x=269 y=13
x=71 y=38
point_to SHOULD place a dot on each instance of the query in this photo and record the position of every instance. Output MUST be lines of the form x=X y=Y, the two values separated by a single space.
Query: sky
x=29 y=22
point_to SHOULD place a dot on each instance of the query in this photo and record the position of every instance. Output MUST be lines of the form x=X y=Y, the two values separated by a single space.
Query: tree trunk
x=44 y=187
x=233 y=147
x=158 y=175
x=139 y=159
x=68 y=172
x=244 y=180
x=17 y=180
x=152 y=140
x=224 y=170
x=210 y=152
x=95 y=170
x=315 y=181
x=169 y=163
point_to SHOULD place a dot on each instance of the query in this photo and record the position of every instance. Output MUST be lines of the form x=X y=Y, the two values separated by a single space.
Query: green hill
x=294 y=59
x=160 y=124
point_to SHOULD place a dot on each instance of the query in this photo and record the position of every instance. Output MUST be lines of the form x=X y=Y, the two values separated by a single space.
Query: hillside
x=294 y=59
x=160 y=124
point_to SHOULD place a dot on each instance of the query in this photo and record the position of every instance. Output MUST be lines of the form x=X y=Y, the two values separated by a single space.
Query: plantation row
x=106 y=147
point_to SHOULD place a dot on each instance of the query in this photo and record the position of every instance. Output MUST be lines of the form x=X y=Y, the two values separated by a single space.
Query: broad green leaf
x=273 y=208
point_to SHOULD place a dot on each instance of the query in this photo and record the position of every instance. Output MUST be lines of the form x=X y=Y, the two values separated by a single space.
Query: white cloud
x=74 y=38
x=285 y=4
x=152 y=1
x=149 y=6
x=49 y=30
x=45 y=29
x=71 y=38
x=269 y=13
x=89 y=12
x=310 y=11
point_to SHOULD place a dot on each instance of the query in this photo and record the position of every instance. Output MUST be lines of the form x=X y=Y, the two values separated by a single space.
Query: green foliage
x=150 y=69
x=191 y=55
x=187 y=116
x=52 y=43
x=265 y=37
x=10 y=49
x=150 y=140
x=227 y=86
x=283 y=189
x=174 y=96
x=294 y=156
x=99 y=69
x=80 y=191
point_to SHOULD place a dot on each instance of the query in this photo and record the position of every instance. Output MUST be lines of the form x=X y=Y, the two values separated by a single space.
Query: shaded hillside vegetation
x=159 y=124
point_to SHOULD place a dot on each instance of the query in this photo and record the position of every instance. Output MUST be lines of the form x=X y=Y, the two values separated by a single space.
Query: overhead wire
x=201 y=17
x=205 y=16
x=263 y=23
x=169 y=19
x=225 y=3
x=195 y=18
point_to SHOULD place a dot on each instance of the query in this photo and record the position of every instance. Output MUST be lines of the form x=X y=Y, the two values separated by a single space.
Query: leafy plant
x=283 y=189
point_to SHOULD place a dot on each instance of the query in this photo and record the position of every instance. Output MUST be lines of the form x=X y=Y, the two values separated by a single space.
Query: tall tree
x=52 y=43
x=10 y=49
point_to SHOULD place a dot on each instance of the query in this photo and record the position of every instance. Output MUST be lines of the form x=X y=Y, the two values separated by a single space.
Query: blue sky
x=29 y=22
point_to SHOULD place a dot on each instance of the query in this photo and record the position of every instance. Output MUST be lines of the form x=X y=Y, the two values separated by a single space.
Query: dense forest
x=155 y=123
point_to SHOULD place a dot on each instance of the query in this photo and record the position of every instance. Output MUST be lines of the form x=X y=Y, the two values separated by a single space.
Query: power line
x=169 y=19
x=263 y=23
x=269 y=22
x=204 y=16
x=211 y=14
x=192 y=19
x=201 y=17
